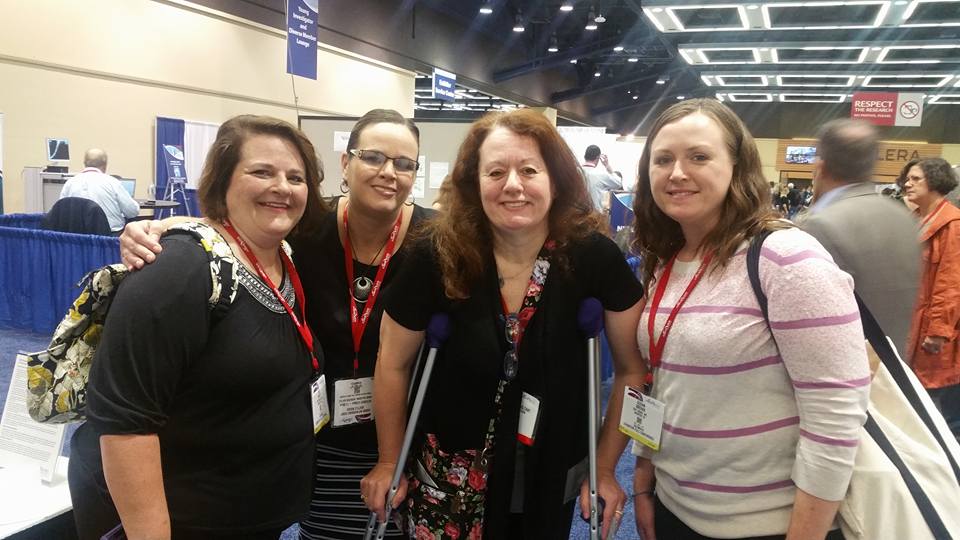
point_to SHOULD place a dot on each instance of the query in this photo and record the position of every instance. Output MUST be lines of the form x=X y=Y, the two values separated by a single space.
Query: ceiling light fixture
x=633 y=59
x=573 y=61
x=554 y=45
x=679 y=98
x=566 y=6
x=661 y=81
x=591 y=20
x=486 y=8
x=636 y=97
x=518 y=23
x=596 y=73
x=618 y=48
x=600 y=18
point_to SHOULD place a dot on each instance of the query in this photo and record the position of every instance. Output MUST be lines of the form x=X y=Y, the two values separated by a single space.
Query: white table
x=25 y=501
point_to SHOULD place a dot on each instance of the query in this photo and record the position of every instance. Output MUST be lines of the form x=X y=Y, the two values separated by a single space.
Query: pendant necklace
x=362 y=285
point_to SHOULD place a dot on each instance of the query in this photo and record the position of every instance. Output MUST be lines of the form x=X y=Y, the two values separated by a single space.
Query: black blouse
x=553 y=367
x=228 y=396
x=319 y=260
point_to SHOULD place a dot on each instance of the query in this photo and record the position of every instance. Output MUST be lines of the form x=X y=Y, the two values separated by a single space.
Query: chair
x=77 y=215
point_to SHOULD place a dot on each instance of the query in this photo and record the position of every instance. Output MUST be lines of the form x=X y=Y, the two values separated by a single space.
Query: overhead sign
x=888 y=108
x=444 y=85
x=302 y=38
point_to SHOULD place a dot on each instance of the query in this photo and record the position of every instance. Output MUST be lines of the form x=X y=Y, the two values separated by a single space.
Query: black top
x=319 y=259
x=553 y=367
x=228 y=398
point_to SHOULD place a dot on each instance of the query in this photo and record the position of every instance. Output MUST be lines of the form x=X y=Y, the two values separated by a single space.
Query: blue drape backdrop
x=171 y=131
x=39 y=270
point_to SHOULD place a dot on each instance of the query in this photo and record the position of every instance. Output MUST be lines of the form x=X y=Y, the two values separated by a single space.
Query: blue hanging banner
x=444 y=85
x=302 y=37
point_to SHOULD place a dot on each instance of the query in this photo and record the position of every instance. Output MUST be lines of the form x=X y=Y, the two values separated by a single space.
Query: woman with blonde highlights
x=761 y=418
x=514 y=252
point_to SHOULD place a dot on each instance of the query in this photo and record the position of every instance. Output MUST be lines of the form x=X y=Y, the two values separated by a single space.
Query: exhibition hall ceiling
x=623 y=54
x=617 y=62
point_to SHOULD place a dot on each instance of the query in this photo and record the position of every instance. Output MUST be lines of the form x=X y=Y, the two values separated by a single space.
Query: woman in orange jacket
x=932 y=347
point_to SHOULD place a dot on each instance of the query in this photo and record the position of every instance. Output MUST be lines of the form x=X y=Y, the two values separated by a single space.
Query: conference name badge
x=319 y=403
x=352 y=401
x=529 y=417
x=641 y=418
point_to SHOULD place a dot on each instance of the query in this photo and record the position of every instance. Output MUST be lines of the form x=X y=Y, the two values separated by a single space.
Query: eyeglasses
x=511 y=364
x=377 y=159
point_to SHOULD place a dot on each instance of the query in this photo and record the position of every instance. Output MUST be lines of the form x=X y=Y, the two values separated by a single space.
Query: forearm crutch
x=590 y=320
x=437 y=332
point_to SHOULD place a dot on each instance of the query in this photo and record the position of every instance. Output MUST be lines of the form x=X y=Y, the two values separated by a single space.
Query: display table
x=26 y=502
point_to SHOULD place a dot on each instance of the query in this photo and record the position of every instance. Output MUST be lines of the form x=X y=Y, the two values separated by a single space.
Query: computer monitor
x=58 y=150
x=129 y=184
x=803 y=155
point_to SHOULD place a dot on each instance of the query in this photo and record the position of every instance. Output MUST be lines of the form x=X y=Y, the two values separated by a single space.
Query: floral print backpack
x=57 y=377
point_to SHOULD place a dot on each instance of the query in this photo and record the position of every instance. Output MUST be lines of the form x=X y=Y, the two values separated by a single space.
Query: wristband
x=648 y=492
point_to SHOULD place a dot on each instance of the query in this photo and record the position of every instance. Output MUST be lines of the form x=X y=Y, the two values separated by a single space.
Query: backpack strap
x=223 y=265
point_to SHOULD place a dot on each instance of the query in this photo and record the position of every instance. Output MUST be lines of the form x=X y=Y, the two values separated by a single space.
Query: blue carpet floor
x=12 y=341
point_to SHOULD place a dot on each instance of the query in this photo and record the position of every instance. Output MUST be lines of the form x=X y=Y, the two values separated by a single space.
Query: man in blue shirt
x=95 y=184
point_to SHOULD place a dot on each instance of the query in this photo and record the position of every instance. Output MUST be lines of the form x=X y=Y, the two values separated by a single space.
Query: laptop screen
x=129 y=184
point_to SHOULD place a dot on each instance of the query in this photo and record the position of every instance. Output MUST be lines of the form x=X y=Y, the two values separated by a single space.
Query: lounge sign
x=888 y=108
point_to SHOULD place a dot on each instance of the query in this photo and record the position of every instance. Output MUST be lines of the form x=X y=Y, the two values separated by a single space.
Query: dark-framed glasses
x=377 y=159
x=511 y=363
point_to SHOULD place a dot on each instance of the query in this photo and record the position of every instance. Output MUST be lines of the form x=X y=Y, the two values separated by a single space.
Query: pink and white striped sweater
x=747 y=423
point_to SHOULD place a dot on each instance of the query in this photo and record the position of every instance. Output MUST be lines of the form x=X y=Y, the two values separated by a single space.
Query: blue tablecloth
x=39 y=270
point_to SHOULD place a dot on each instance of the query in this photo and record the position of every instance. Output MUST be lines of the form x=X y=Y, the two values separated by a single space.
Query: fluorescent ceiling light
x=951 y=99
x=750 y=97
x=944 y=79
x=762 y=78
x=805 y=98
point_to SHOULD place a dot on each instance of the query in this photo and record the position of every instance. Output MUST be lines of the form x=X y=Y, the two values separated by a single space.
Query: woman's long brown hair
x=461 y=232
x=745 y=211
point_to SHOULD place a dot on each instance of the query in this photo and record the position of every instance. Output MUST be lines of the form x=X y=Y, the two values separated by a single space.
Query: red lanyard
x=656 y=347
x=358 y=321
x=930 y=216
x=302 y=327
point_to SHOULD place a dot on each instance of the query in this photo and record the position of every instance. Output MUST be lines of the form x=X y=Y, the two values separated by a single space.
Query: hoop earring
x=344 y=187
x=409 y=202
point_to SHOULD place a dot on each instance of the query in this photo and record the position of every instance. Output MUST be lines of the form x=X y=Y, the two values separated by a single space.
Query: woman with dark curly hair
x=761 y=414
x=932 y=346
x=516 y=250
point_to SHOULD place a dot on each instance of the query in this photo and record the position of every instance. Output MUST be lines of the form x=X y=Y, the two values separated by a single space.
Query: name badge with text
x=529 y=416
x=641 y=418
x=352 y=401
x=319 y=403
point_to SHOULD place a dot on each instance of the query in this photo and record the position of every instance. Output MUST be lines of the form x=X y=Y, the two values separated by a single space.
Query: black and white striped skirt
x=336 y=512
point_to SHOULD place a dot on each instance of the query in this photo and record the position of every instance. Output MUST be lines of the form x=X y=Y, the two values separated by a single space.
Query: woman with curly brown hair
x=761 y=414
x=503 y=432
x=932 y=346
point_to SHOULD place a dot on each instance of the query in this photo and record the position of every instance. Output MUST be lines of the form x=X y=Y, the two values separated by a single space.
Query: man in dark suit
x=871 y=237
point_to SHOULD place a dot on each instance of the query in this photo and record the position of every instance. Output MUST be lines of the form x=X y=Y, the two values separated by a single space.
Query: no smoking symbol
x=909 y=109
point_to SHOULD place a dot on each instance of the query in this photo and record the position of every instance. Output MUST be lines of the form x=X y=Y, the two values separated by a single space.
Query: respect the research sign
x=302 y=37
x=888 y=108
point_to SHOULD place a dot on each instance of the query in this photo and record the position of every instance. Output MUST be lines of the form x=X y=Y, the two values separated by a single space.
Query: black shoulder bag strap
x=895 y=366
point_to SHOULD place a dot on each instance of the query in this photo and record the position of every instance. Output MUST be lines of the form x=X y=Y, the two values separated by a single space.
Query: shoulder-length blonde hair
x=462 y=233
x=745 y=211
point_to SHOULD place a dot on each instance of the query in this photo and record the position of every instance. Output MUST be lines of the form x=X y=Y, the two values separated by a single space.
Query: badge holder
x=437 y=332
